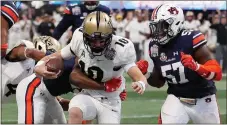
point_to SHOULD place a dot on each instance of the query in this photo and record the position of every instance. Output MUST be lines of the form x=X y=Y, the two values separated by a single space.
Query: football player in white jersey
x=20 y=61
x=102 y=56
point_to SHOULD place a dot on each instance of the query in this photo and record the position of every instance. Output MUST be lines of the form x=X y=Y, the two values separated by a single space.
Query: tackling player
x=181 y=58
x=21 y=60
x=75 y=14
x=9 y=16
x=102 y=56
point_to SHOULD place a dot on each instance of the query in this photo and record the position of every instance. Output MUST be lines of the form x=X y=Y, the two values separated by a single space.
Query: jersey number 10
x=93 y=72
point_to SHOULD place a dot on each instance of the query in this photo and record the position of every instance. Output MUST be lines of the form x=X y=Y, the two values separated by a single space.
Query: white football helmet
x=46 y=44
x=167 y=21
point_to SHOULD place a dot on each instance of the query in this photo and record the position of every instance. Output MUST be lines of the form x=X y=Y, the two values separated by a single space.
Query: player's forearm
x=4 y=31
x=35 y=54
x=211 y=70
x=137 y=75
x=4 y=36
x=155 y=81
x=80 y=80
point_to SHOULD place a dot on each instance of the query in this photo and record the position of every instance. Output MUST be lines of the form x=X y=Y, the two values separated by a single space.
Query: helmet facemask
x=97 y=43
x=161 y=31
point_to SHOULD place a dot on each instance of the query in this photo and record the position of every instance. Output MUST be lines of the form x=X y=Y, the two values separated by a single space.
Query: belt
x=190 y=101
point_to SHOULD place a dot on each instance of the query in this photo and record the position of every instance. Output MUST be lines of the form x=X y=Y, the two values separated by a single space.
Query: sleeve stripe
x=67 y=11
x=198 y=39
x=8 y=17
x=10 y=13
x=197 y=35
x=204 y=41
x=211 y=76
x=12 y=9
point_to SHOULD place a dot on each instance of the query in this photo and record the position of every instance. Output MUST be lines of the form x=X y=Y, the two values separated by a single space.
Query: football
x=55 y=64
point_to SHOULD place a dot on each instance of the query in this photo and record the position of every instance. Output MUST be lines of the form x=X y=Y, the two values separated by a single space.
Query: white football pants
x=205 y=111
x=105 y=110
x=36 y=105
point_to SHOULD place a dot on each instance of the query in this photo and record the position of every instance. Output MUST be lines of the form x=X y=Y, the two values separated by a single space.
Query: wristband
x=142 y=84
x=25 y=55
x=198 y=66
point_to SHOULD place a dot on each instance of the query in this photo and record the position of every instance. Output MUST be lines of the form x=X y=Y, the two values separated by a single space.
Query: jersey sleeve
x=198 y=39
x=9 y=12
x=27 y=43
x=126 y=54
x=72 y=49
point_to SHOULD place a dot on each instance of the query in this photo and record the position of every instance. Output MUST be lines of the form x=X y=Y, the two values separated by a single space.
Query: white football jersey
x=14 y=72
x=119 y=58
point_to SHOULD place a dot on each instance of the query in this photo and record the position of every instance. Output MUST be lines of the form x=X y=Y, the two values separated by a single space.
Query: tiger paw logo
x=173 y=10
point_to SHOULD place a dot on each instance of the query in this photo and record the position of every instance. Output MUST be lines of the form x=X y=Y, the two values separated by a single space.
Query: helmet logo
x=173 y=10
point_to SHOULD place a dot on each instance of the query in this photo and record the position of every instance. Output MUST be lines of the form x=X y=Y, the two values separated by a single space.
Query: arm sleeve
x=127 y=55
x=198 y=39
x=63 y=25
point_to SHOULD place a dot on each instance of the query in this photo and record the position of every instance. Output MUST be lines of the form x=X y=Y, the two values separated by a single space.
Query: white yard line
x=123 y=117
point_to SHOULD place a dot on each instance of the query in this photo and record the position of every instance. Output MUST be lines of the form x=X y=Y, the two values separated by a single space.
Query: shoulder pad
x=125 y=50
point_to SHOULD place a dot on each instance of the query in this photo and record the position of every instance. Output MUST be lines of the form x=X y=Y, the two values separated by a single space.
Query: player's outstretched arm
x=155 y=78
x=203 y=63
x=21 y=53
x=139 y=80
x=79 y=79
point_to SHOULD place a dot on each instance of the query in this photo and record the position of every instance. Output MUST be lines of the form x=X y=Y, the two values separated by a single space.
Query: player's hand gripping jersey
x=117 y=58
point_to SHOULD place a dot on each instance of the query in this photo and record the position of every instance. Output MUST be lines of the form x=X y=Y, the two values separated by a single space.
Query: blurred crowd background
x=41 y=18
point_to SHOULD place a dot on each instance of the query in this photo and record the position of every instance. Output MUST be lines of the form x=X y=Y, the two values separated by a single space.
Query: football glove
x=189 y=62
x=143 y=66
x=211 y=70
x=123 y=95
x=113 y=84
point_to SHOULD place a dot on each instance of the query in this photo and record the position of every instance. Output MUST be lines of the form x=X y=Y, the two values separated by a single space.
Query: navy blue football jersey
x=61 y=85
x=182 y=81
x=9 y=12
x=74 y=16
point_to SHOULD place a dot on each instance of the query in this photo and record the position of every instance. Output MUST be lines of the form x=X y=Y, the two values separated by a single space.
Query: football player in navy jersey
x=74 y=16
x=9 y=16
x=182 y=59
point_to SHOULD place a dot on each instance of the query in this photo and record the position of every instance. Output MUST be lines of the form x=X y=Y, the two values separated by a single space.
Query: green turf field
x=136 y=109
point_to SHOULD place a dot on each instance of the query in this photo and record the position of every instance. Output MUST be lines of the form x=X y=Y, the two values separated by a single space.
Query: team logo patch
x=76 y=10
x=154 y=51
x=163 y=57
x=110 y=54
